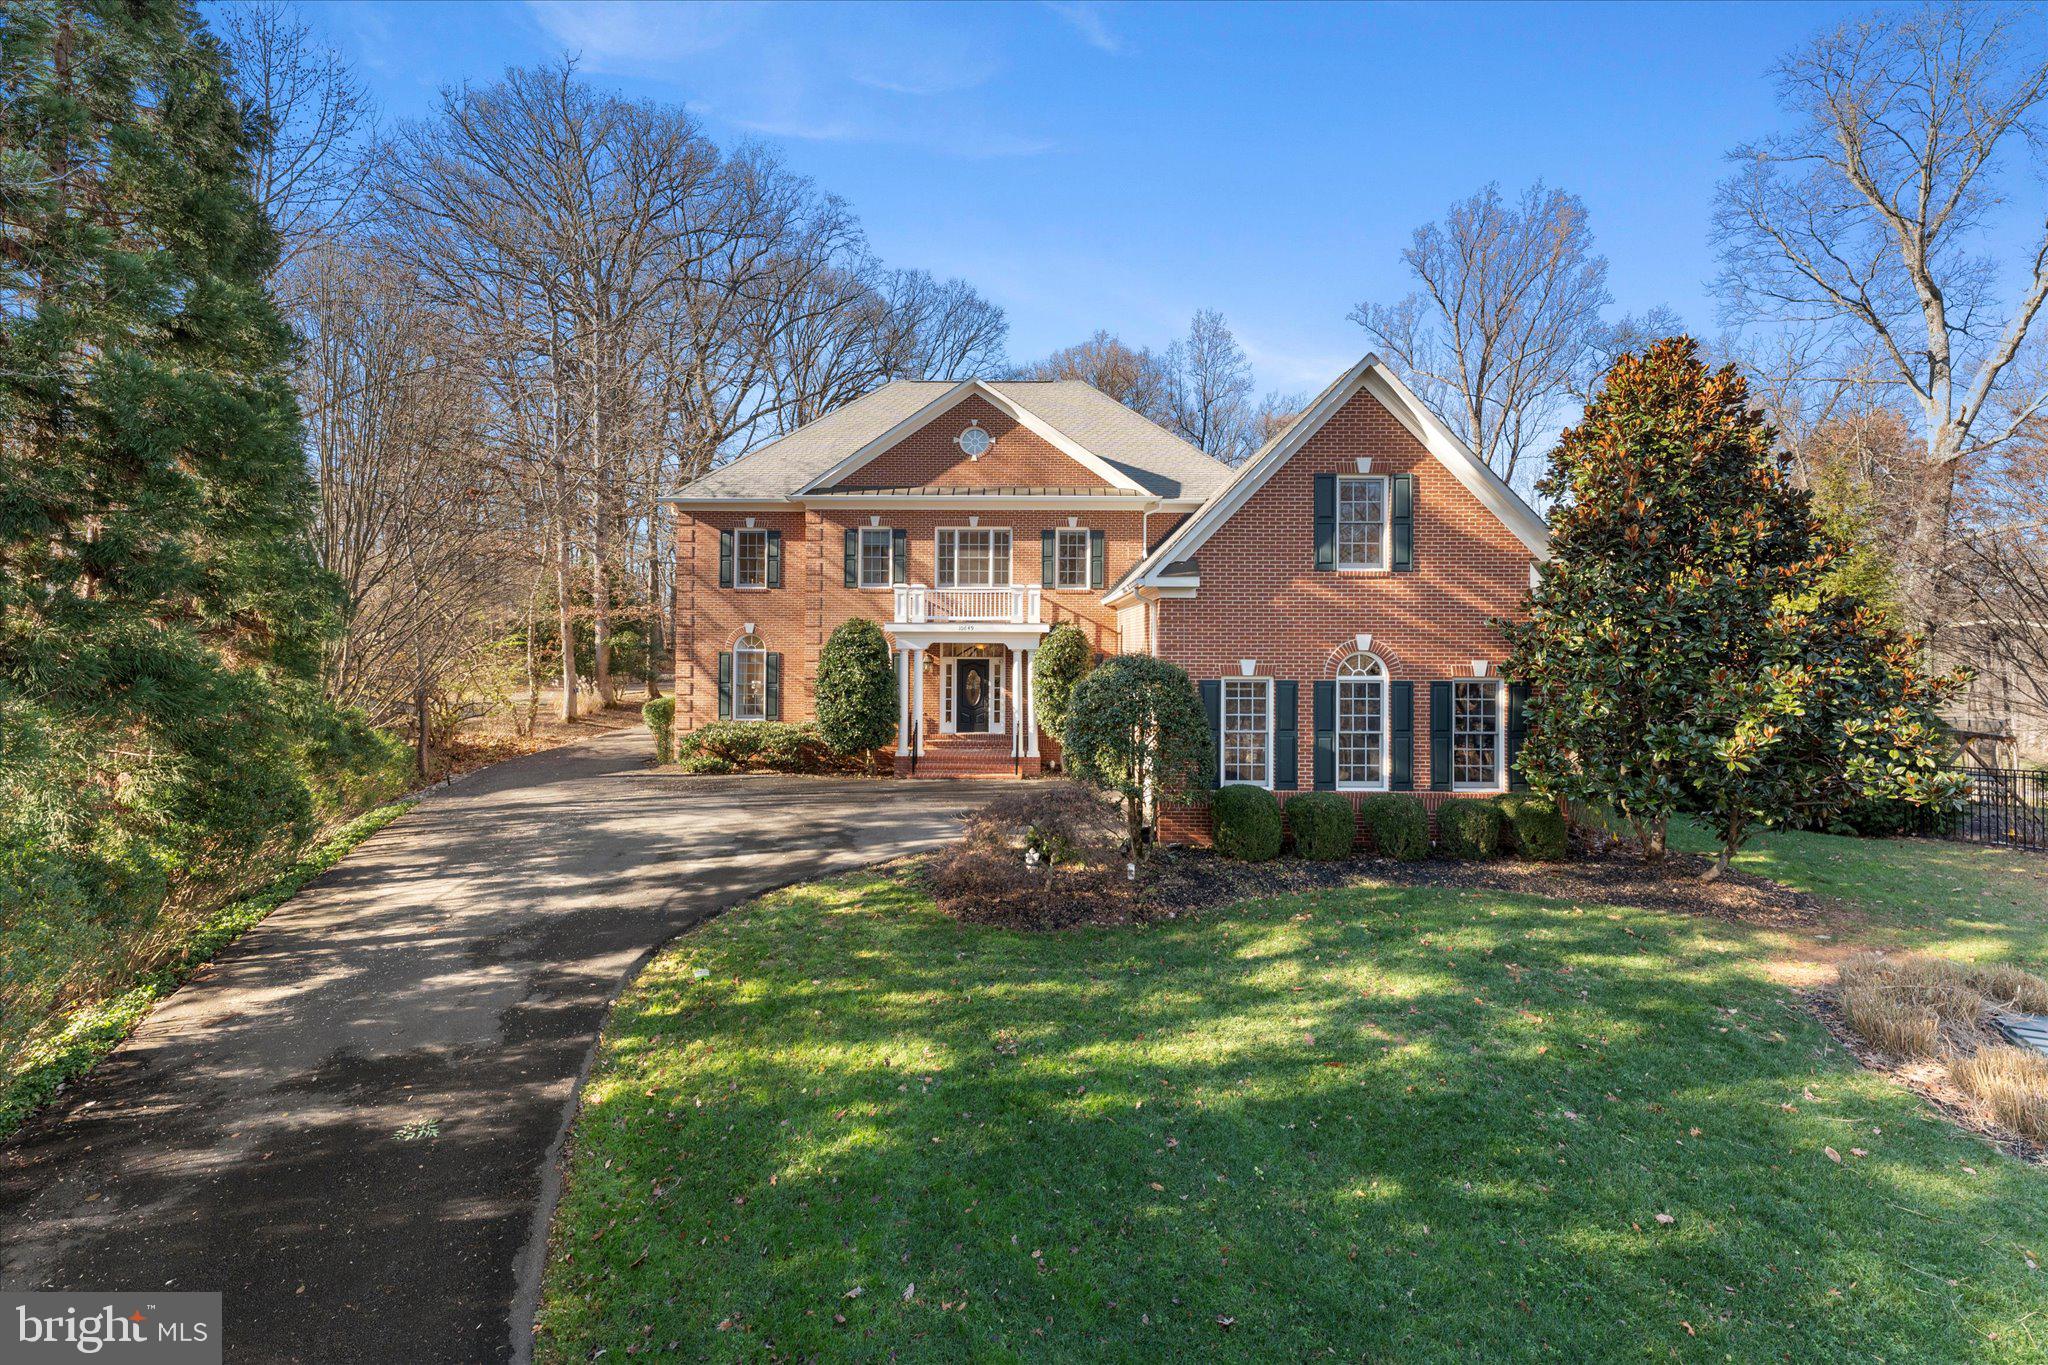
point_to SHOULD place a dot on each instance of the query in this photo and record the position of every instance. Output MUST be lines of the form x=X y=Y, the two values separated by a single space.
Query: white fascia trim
x=1117 y=502
x=1439 y=440
x=946 y=402
x=731 y=504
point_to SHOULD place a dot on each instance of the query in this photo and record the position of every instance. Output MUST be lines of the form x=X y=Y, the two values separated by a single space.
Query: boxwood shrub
x=660 y=715
x=1398 y=824
x=1533 y=827
x=1323 y=825
x=773 y=745
x=1247 y=822
x=1467 y=828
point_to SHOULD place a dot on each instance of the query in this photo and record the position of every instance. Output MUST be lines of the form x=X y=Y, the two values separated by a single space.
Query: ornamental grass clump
x=1909 y=1006
x=2011 y=1082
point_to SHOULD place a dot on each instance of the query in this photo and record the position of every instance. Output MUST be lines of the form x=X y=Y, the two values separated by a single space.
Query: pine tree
x=161 y=610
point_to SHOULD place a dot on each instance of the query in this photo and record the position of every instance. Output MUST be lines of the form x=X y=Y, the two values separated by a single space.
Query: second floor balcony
x=917 y=605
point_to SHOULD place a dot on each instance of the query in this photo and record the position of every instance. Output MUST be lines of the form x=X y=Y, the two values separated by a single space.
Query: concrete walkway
x=349 y=1123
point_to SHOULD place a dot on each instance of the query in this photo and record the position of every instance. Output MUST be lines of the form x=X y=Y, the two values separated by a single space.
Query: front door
x=971 y=698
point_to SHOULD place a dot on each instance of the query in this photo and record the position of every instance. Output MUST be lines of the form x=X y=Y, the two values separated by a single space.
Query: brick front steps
x=968 y=756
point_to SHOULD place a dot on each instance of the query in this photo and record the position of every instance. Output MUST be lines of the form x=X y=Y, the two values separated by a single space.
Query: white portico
x=984 y=641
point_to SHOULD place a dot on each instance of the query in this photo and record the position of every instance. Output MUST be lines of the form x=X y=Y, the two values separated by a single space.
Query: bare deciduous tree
x=1134 y=377
x=1867 y=222
x=1508 y=313
x=1211 y=388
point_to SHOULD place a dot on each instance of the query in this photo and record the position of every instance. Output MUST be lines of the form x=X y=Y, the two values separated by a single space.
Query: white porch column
x=1016 y=716
x=1030 y=705
x=917 y=697
x=903 y=705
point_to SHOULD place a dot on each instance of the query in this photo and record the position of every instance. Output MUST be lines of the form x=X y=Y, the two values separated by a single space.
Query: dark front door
x=970 y=702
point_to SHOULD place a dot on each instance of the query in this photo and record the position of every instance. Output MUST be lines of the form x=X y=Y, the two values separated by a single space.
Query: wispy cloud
x=1087 y=20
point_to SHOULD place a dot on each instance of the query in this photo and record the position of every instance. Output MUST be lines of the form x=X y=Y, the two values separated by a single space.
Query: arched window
x=749 y=679
x=1362 y=723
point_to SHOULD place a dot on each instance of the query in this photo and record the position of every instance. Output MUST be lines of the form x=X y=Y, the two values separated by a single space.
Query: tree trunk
x=419 y=723
x=655 y=634
x=1924 y=555
x=1650 y=835
x=567 y=622
x=600 y=611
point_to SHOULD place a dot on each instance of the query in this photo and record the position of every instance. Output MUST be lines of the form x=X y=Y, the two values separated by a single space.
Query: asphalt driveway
x=349 y=1123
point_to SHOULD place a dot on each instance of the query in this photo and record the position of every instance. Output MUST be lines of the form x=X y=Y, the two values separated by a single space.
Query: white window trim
x=860 y=558
x=1386 y=524
x=739 y=533
x=1087 y=558
x=1500 y=735
x=739 y=652
x=1010 y=572
x=1386 y=684
x=1223 y=727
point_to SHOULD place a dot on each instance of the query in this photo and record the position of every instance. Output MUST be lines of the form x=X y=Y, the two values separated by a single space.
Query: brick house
x=1331 y=596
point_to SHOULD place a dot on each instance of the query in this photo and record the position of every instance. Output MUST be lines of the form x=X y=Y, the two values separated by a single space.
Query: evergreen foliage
x=1683 y=649
x=1398 y=824
x=1064 y=658
x=856 y=689
x=1246 y=823
x=1323 y=824
x=1532 y=826
x=660 y=715
x=162 y=614
x=1136 y=729
x=1468 y=828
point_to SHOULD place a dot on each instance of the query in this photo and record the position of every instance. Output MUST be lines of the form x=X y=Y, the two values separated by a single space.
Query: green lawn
x=1958 y=900
x=1374 y=1122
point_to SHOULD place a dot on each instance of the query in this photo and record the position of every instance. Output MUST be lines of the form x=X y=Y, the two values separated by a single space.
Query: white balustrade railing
x=918 y=605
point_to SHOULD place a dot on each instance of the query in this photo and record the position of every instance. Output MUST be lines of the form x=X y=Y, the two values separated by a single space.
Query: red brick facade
x=930 y=458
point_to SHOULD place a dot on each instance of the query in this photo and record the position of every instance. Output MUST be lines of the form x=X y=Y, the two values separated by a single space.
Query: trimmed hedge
x=1247 y=822
x=1532 y=826
x=1398 y=824
x=773 y=745
x=1466 y=828
x=660 y=715
x=1323 y=825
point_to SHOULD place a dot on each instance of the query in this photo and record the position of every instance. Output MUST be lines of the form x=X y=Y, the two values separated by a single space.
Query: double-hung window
x=750 y=558
x=1247 y=732
x=1362 y=522
x=1475 y=734
x=749 y=679
x=877 y=556
x=1070 y=557
x=973 y=557
x=1362 y=724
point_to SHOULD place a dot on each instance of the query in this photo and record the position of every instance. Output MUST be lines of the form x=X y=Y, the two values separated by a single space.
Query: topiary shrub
x=660 y=715
x=856 y=693
x=1323 y=824
x=1247 y=823
x=1063 y=660
x=1398 y=824
x=1533 y=826
x=1467 y=828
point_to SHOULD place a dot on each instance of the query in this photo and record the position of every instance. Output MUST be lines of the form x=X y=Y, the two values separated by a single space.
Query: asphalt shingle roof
x=1152 y=457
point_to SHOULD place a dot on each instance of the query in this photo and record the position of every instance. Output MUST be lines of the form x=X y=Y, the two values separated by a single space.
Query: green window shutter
x=1402 y=519
x=1286 y=751
x=725 y=687
x=1098 y=558
x=899 y=547
x=774 y=686
x=1048 y=557
x=852 y=558
x=1212 y=706
x=775 y=559
x=725 y=559
x=1440 y=736
x=1518 y=708
x=1401 y=736
x=1326 y=521
x=1326 y=735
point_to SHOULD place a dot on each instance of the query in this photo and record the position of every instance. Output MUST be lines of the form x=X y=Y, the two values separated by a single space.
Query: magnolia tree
x=1136 y=729
x=1682 y=648
x=856 y=689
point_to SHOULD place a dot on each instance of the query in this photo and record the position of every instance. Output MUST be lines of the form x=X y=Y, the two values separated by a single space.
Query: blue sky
x=1102 y=165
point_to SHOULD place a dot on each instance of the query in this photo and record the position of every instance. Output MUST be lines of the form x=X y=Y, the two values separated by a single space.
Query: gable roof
x=1131 y=453
x=1372 y=376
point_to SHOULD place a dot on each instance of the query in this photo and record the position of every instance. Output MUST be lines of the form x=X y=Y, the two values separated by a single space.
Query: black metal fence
x=2005 y=806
